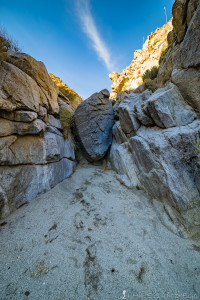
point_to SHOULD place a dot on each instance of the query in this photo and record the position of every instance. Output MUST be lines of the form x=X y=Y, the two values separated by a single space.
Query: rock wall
x=34 y=156
x=180 y=64
x=156 y=138
x=131 y=77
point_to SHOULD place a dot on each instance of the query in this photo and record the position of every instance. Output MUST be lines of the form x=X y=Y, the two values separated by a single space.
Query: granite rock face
x=37 y=71
x=131 y=77
x=163 y=154
x=94 y=119
x=168 y=163
x=34 y=155
x=164 y=148
x=188 y=82
x=183 y=53
x=167 y=108
x=23 y=183
x=179 y=21
x=190 y=47
x=175 y=46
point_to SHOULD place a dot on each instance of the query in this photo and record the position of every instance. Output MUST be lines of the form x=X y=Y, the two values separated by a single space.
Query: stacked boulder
x=157 y=146
x=34 y=156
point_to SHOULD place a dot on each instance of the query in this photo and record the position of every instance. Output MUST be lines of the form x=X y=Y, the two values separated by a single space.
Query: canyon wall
x=131 y=77
x=156 y=142
x=34 y=154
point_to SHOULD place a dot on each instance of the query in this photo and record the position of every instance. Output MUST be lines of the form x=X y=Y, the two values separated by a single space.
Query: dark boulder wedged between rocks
x=94 y=119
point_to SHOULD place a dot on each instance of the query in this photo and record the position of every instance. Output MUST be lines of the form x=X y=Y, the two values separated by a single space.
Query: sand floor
x=92 y=238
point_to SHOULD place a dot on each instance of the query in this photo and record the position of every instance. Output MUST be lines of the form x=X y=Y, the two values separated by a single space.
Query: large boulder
x=188 y=82
x=169 y=169
x=167 y=108
x=94 y=119
x=37 y=71
x=128 y=121
x=17 y=89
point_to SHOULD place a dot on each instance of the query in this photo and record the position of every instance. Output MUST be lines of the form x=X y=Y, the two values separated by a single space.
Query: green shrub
x=150 y=74
x=151 y=85
x=7 y=43
x=67 y=120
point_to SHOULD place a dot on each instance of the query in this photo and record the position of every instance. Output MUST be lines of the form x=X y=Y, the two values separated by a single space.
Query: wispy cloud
x=90 y=28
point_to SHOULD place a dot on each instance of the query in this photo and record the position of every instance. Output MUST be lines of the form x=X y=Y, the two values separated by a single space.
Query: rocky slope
x=157 y=135
x=73 y=98
x=131 y=77
x=34 y=156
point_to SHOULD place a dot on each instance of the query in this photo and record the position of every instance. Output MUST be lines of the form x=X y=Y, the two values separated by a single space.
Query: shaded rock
x=23 y=183
x=94 y=119
x=19 y=115
x=190 y=48
x=122 y=162
x=37 y=71
x=4 y=208
x=34 y=156
x=42 y=114
x=52 y=121
x=57 y=148
x=54 y=130
x=140 y=100
x=11 y=96
x=179 y=12
x=168 y=164
x=34 y=150
x=167 y=108
x=128 y=120
x=118 y=133
x=192 y=6
x=169 y=61
x=7 y=127
x=188 y=82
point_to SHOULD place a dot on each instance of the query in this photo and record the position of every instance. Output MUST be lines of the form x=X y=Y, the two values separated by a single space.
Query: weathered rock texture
x=174 y=50
x=131 y=77
x=161 y=153
x=158 y=134
x=182 y=58
x=94 y=119
x=34 y=156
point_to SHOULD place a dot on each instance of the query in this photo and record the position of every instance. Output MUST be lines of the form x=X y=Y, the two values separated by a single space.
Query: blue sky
x=82 y=41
